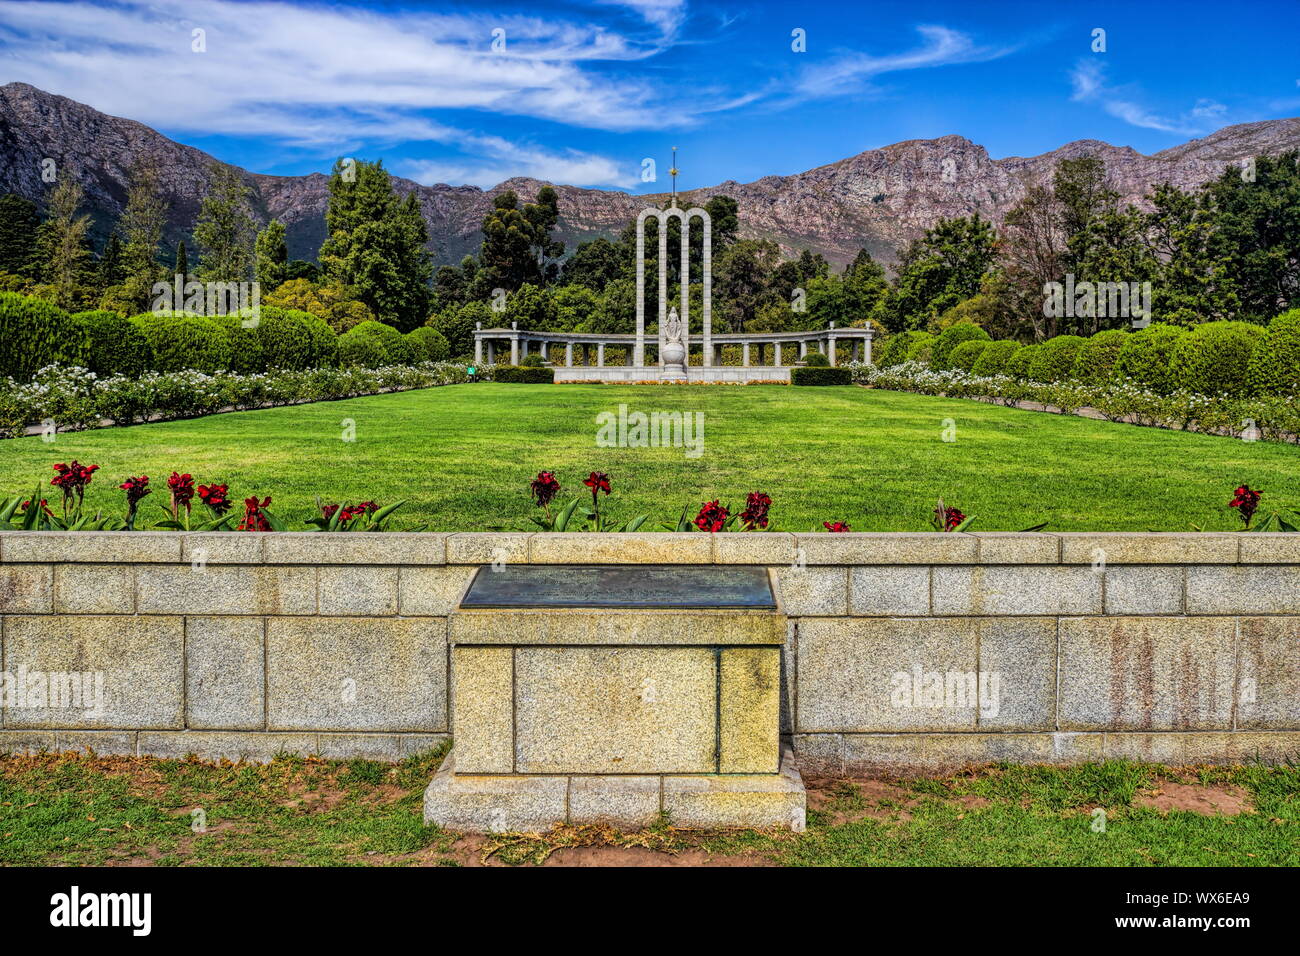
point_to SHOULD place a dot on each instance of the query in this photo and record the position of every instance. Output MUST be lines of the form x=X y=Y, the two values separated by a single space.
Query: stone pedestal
x=614 y=715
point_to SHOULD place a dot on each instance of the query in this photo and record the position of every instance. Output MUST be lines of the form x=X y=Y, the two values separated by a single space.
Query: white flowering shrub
x=1275 y=418
x=74 y=398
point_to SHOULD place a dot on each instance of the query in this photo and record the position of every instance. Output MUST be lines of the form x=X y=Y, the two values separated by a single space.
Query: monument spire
x=673 y=172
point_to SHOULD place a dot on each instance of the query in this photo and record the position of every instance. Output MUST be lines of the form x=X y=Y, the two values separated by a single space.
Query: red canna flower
x=45 y=506
x=755 y=513
x=136 y=488
x=544 y=488
x=597 y=481
x=328 y=511
x=836 y=526
x=1246 y=499
x=182 y=489
x=214 y=496
x=72 y=479
x=948 y=518
x=254 y=520
x=712 y=517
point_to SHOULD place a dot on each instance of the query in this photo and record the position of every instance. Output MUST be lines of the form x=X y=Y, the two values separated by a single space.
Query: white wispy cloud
x=1088 y=80
x=135 y=58
x=491 y=160
x=852 y=72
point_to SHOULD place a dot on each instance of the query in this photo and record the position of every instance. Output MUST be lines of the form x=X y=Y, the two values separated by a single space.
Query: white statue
x=673 y=327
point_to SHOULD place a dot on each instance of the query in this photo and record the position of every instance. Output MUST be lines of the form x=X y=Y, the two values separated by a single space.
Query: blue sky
x=584 y=90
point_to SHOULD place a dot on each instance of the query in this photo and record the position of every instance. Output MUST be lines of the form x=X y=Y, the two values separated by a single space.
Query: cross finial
x=673 y=172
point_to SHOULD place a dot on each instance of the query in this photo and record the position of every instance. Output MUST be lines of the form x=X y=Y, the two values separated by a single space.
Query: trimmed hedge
x=180 y=340
x=920 y=348
x=428 y=344
x=372 y=344
x=1214 y=358
x=35 y=333
x=1145 y=357
x=1275 y=361
x=818 y=375
x=294 y=339
x=950 y=338
x=993 y=360
x=1021 y=360
x=966 y=354
x=894 y=351
x=114 y=346
x=524 y=375
x=1095 y=363
x=246 y=356
x=1054 y=360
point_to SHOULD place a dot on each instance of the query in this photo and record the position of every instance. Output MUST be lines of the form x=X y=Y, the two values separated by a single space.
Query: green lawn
x=463 y=456
x=78 y=810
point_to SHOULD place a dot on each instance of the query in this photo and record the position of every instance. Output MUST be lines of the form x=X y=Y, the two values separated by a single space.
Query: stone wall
x=1171 y=647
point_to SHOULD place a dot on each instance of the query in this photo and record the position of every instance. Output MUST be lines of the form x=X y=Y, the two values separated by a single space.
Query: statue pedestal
x=674 y=361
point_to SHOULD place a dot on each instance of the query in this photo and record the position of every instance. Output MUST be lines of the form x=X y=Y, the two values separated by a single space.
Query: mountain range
x=878 y=200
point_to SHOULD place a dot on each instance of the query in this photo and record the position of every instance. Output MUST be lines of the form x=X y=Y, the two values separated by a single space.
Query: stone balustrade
x=903 y=650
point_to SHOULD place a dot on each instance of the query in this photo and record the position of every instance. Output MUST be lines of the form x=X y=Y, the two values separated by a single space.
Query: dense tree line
x=1229 y=250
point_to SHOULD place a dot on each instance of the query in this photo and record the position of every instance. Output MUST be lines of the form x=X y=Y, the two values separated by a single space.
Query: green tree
x=19 y=222
x=141 y=226
x=938 y=270
x=376 y=244
x=517 y=244
x=272 y=256
x=225 y=230
x=1257 y=233
x=62 y=241
x=181 y=266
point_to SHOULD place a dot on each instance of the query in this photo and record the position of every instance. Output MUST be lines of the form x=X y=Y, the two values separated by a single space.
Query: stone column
x=568 y=354
x=830 y=347
x=867 y=344
x=685 y=313
x=491 y=352
x=600 y=355
x=514 y=350
x=744 y=352
x=776 y=357
x=707 y=262
x=478 y=343
x=803 y=348
x=638 y=350
x=663 y=286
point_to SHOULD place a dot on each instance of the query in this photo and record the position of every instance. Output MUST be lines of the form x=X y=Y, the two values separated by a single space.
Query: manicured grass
x=463 y=456
x=78 y=810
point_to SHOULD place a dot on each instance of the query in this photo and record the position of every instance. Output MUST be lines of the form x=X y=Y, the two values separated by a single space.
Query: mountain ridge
x=877 y=199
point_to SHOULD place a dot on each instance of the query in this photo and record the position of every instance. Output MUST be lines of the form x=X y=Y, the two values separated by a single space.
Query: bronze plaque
x=624 y=585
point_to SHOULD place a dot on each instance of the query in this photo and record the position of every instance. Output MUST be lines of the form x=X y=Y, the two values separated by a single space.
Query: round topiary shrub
x=35 y=333
x=993 y=360
x=245 y=344
x=1095 y=363
x=952 y=337
x=1275 y=362
x=1054 y=360
x=1213 y=358
x=293 y=339
x=428 y=344
x=372 y=344
x=816 y=360
x=894 y=351
x=964 y=356
x=181 y=340
x=532 y=360
x=920 y=349
x=1145 y=357
x=114 y=346
x=1019 y=363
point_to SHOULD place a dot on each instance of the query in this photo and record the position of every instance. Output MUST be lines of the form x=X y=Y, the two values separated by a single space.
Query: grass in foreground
x=79 y=810
x=463 y=456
